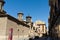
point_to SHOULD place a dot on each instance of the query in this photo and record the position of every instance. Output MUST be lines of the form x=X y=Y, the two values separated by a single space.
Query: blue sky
x=38 y=9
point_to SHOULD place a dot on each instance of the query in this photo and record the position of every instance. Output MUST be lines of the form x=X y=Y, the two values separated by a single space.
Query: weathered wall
x=3 y=22
x=19 y=31
x=58 y=26
x=14 y=25
x=23 y=32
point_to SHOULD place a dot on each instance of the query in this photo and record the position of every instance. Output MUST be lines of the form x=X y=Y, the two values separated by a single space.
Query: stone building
x=16 y=28
x=12 y=28
x=54 y=19
x=40 y=28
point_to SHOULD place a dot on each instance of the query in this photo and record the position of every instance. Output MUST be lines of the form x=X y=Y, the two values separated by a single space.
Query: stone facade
x=3 y=28
x=20 y=30
x=14 y=25
x=40 y=28
x=54 y=19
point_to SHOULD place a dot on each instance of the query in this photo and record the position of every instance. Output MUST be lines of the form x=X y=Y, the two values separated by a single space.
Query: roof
x=20 y=13
x=28 y=17
x=39 y=22
x=2 y=1
x=13 y=19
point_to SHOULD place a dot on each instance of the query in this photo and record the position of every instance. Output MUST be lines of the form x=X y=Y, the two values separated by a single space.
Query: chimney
x=20 y=16
x=28 y=19
x=1 y=5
